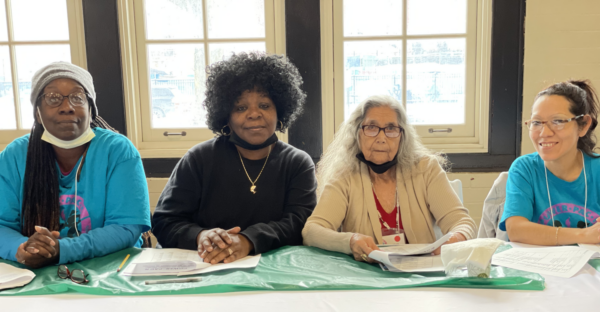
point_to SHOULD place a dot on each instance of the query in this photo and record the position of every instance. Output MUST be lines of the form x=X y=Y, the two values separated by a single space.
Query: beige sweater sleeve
x=321 y=228
x=443 y=202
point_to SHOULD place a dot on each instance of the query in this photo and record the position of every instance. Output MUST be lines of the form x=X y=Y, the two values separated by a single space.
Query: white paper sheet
x=595 y=248
x=554 y=261
x=409 y=249
x=415 y=264
x=11 y=277
x=174 y=261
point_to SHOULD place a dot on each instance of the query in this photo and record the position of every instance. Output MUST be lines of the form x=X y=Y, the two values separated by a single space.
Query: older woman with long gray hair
x=378 y=184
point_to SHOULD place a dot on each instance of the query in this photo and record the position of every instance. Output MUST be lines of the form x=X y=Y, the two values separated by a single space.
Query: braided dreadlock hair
x=41 y=189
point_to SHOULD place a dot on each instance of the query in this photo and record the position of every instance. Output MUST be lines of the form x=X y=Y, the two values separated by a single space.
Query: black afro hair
x=274 y=75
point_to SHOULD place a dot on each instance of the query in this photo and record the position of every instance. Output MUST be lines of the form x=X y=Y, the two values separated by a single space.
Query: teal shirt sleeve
x=11 y=163
x=99 y=242
x=127 y=197
x=519 y=192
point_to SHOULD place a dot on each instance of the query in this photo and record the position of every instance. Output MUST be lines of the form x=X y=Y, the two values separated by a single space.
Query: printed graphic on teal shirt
x=568 y=215
x=68 y=224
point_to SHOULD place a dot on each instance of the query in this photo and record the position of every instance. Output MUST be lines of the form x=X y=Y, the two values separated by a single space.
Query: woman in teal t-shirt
x=73 y=189
x=552 y=196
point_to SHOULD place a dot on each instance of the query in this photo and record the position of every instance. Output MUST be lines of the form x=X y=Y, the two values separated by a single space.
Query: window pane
x=435 y=81
x=426 y=17
x=370 y=68
x=177 y=78
x=223 y=51
x=40 y=20
x=30 y=58
x=236 y=18
x=3 y=31
x=372 y=18
x=7 y=99
x=174 y=19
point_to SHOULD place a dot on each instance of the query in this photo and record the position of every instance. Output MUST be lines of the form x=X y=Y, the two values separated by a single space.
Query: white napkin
x=475 y=255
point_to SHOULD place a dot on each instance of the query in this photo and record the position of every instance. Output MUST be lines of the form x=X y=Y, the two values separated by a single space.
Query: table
x=579 y=293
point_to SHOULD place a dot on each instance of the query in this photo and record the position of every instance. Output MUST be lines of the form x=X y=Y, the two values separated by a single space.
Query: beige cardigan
x=425 y=195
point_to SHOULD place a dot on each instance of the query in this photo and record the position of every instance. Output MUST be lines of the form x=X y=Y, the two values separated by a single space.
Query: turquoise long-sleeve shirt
x=111 y=208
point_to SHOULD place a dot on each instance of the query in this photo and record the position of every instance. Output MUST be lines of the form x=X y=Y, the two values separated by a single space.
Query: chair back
x=457 y=187
x=493 y=207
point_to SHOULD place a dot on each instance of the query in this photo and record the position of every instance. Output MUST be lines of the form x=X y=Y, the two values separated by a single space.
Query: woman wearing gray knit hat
x=74 y=188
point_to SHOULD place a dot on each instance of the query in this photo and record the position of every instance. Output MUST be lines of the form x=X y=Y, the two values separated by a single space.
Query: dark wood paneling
x=103 y=51
x=303 y=48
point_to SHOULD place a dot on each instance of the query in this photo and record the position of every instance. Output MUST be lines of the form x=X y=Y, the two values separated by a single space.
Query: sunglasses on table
x=77 y=276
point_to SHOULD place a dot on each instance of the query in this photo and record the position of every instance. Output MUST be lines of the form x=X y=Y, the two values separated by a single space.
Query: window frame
x=505 y=97
x=173 y=147
x=77 y=49
x=479 y=13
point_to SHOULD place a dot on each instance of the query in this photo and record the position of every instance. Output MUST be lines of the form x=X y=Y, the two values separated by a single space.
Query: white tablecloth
x=576 y=294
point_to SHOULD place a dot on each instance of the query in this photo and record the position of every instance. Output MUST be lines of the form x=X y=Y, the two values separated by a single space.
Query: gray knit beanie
x=56 y=70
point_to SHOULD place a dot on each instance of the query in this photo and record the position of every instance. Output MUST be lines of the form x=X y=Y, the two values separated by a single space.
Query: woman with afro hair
x=243 y=192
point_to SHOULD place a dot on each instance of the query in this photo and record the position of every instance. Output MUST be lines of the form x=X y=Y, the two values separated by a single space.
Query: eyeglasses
x=390 y=131
x=77 y=276
x=55 y=99
x=554 y=125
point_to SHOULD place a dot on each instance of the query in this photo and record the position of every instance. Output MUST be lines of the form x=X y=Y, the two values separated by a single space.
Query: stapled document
x=555 y=261
x=174 y=261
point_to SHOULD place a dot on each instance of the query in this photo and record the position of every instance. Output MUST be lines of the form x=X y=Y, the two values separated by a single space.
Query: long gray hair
x=340 y=157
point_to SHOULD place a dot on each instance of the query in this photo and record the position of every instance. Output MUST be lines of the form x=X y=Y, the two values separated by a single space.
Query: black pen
x=177 y=280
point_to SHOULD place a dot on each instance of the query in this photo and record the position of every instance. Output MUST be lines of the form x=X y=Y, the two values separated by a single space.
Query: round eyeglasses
x=554 y=125
x=77 y=276
x=55 y=99
x=390 y=131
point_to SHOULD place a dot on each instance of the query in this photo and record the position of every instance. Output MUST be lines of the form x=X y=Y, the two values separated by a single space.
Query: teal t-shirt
x=112 y=202
x=527 y=195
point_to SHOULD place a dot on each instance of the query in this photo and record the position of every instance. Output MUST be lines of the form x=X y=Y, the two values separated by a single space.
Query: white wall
x=562 y=41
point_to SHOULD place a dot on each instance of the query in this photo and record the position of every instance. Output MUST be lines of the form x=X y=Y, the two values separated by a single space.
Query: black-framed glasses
x=55 y=99
x=554 y=125
x=390 y=131
x=77 y=276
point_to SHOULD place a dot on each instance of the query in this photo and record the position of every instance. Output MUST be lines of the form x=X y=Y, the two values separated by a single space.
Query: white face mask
x=85 y=137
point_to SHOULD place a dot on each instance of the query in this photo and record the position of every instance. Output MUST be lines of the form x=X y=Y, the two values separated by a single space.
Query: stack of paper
x=555 y=261
x=173 y=261
x=11 y=277
x=400 y=258
x=595 y=248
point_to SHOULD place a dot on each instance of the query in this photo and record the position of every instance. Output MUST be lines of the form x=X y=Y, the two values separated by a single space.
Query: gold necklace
x=253 y=187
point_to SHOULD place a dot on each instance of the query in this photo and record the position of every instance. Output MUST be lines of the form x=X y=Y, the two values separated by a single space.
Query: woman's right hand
x=217 y=237
x=361 y=246
x=592 y=233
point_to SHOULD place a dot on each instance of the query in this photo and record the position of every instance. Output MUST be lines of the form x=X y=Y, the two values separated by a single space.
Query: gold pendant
x=252 y=189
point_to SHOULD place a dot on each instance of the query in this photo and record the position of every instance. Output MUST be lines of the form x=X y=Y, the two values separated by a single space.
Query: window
x=174 y=41
x=33 y=33
x=431 y=55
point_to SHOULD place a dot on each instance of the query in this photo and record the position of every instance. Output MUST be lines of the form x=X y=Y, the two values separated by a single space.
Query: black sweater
x=209 y=189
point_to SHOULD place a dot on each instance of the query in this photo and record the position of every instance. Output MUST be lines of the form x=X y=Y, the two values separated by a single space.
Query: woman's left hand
x=455 y=238
x=238 y=249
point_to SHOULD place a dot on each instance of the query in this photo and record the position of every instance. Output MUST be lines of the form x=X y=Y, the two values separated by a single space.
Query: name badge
x=392 y=237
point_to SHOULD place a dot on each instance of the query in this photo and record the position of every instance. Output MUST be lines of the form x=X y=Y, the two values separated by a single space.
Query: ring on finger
x=364 y=256
x=230 y=251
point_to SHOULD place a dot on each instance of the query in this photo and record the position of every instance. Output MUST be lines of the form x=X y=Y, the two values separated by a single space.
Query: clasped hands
x=362 y=245
x=41 y=249
x=216 y=245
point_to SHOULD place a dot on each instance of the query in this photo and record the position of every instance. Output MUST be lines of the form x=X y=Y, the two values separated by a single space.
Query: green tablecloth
x=288 y=268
